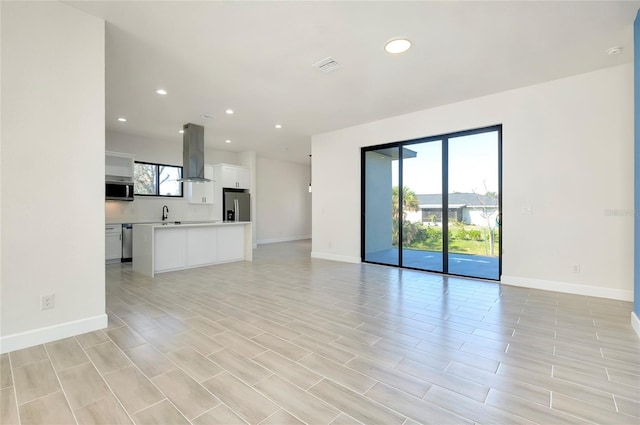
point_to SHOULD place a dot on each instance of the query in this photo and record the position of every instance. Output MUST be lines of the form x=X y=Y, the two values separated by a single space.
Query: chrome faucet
x=165 y=212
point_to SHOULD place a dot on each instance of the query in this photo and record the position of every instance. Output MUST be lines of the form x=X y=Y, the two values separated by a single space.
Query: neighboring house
x=468 y=208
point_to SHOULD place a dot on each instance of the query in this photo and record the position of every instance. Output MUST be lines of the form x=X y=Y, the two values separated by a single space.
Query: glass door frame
x=444 y=138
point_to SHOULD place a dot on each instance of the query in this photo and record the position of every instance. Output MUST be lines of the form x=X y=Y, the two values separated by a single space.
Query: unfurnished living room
x=323 y=212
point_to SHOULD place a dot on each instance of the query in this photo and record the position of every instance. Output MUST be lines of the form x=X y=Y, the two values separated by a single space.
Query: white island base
x=166 y=247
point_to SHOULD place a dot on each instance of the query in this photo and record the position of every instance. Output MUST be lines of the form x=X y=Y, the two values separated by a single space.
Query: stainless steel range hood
x=193 y=154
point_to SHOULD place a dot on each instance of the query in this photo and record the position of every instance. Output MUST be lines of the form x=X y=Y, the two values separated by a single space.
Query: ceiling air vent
x=327 y=65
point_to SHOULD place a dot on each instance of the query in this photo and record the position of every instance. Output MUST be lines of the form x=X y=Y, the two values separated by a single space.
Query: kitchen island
x=163 y=247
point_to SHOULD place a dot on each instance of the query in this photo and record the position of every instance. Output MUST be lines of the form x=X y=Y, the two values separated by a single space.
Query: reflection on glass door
x=381 y=206
x=422 y=206
x=473 y=205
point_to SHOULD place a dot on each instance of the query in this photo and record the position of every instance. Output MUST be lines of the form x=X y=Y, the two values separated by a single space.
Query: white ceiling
x=256 y=57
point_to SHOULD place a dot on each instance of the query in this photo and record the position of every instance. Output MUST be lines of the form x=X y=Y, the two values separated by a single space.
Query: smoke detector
x=328 y=65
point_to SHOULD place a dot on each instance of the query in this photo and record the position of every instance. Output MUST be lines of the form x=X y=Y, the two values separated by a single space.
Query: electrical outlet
x=46 y=301
x=576 y=268
x=527 y=211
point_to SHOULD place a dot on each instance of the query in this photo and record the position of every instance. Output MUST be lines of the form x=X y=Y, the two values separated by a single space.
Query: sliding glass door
x=422 y=207
x=434 y=203
x=382 y=206
x=473 y=195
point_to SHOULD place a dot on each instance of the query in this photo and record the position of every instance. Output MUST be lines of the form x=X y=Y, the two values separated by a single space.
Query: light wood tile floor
x=288 y=339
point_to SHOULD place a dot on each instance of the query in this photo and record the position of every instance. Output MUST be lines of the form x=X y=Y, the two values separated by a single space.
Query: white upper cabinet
x=233 y=176
x=202 y=193
x=243 y=176
x=118 y=166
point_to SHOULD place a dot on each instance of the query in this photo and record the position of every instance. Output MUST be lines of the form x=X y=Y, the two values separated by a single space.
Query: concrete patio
x=459 y=264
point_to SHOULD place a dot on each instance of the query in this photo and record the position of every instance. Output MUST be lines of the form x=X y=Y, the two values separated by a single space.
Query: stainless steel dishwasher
x=127 y=242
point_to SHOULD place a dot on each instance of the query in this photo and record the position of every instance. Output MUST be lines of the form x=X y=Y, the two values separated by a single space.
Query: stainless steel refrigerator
x=236 y=205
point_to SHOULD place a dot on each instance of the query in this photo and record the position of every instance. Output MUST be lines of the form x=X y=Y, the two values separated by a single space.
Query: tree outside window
x=157 y=180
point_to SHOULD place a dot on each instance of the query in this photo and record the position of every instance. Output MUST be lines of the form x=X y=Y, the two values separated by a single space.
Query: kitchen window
x=150 y=179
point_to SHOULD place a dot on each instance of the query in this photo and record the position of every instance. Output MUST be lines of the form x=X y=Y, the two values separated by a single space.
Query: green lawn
x=459 y=246
x=464 y=239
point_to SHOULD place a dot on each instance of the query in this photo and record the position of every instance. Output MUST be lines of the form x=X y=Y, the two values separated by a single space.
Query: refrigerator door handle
x=236 y=206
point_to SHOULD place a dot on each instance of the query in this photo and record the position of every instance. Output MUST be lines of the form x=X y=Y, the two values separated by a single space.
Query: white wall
x=379 y=197
x=567 y=155
x=249 y=160
x=164 y=152
x=283 y=201
x=52 y=171
x=1 y=180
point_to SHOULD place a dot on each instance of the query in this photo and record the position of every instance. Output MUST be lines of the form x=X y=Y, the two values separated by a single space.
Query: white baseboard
x=51 y=333
x=568 y=288
x=334 y=257
x=284 y=239
x=635 y=323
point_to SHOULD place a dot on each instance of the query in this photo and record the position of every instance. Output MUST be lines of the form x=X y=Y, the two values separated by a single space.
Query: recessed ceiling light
x=278 y=126
x=615 y=50
x=227 y=141
x=229 y=112
x=181 y=131
x=122 y=119
x=398 y=45
x=161 y=92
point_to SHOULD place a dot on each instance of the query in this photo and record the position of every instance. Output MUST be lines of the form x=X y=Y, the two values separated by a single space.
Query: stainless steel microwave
x=119 y=191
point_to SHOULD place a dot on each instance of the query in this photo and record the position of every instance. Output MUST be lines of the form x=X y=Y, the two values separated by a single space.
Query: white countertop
x=170 y=224
x=183 y=222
